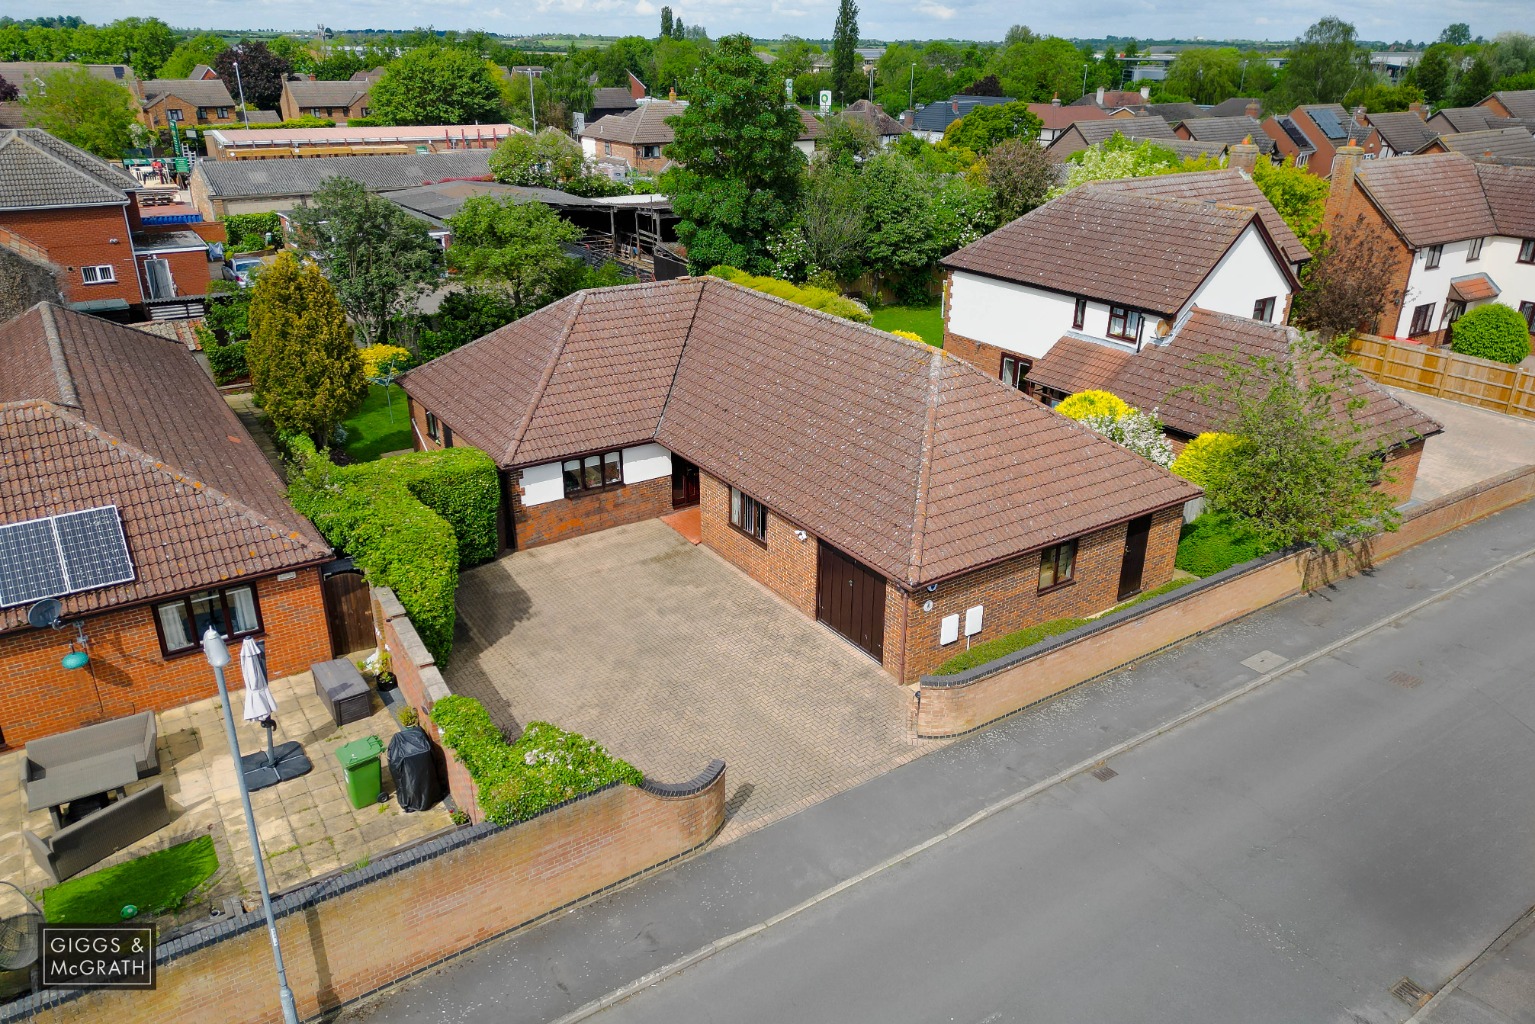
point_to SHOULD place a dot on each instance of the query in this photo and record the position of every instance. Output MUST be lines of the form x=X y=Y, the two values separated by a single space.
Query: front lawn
x=370 y=431
x=924 y=321
x=154 y=883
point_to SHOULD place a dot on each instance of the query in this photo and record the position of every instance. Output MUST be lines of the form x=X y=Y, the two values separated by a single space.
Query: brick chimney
x=1361 y=115
x=1341 y=193
x=1255 y=110
x=1243 y=156
x=1055 y=100
x=1418 y=108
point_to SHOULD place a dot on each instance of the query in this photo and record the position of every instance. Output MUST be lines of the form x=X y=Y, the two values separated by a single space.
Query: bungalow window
x=1057 y=565
x=601 y=472
x=607 y=149
x=1527 y=251
x=232 y=611
x=1079 y=315
x=1431 y=257
x=1015 y=372
x=1422 y=320
x=1124 y=324
x=102 y=274
x=1527 y=310
x=432 y=429
x=1263 y=310
x=748 y=515
x=173 y=114
x=1474 y=250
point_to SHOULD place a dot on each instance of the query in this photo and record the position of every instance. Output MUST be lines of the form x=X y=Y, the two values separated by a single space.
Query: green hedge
x=545 y=767
x=247 y=231
x=409 y=522
x=1215 y=542
x=804 y=295
x=991 y=650
x=227 y=362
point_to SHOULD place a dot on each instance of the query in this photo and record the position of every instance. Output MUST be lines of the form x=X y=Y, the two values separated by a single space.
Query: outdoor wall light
x=800 y=534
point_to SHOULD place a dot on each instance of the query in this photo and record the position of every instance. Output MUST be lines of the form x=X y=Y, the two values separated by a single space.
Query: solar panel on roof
x=62 y=554
x=1327 y=120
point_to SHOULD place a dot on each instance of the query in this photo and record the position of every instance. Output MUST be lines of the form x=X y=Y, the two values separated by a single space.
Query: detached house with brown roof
x=332 y=101
x=1462 y=234
x=1313 y=132
x=187 y=102
x=636 y=138
x=131 y=494
x=879 y=485
x=1121 y=262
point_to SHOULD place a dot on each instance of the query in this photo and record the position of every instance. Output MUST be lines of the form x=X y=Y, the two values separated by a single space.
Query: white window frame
x=101 y=273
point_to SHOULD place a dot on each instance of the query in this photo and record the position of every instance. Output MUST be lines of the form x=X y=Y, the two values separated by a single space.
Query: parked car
x=240 y=268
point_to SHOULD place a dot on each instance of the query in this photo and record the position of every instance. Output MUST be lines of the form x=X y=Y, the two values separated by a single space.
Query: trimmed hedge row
x=1214 y=543
x=545 y=767
x=804 y=295
x=409 y=522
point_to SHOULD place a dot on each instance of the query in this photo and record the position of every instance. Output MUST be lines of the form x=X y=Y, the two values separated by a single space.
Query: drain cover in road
x=1265 y=661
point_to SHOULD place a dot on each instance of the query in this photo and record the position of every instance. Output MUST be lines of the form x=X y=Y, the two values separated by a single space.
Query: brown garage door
x=850 y=598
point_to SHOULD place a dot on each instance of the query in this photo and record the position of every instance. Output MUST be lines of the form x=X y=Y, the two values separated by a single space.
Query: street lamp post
x=218 y=657
x=244 y=114
x=911 y=90
x=532 y=101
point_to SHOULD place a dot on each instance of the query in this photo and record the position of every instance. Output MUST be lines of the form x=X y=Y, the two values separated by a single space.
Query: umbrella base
x=287 y=761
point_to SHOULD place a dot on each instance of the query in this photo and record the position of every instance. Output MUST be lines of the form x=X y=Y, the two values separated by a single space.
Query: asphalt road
x=1288 y=857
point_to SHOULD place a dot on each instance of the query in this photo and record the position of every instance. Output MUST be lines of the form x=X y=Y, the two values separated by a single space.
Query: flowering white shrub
x=1141 y=432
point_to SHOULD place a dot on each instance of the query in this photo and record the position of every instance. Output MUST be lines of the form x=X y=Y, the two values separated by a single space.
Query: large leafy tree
x=832 y=219
x=261 y=73
x=304 y=365
x=1305 y=473
x=437 y=85
x=378 y=258
x=1348 y=281
x=8 y=91
x=1324 y=65
x=900 y=241
x=1432 y=74
x=200 y=49
x=518 y=248
x=1205 y=74
x=985 y=126
x=844 y=52
x=1020 y=177
x=548 y=159
x=97 y=115
x=739 y=174
x=1297 y=195
x=1475 y=83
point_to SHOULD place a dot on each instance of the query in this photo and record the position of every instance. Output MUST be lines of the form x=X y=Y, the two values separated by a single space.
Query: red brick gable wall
x=128 y=674
x=786 y=565
x=78 y=237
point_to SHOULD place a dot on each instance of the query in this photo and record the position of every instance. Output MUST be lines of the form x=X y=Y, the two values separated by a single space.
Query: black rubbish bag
x=412 y=768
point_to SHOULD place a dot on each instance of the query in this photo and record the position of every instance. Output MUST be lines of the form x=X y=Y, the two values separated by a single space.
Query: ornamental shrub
x=1093 y=403
x=409 y=522
x=804 y=295
x=1140 y=432
x=1493 y=331
x=1215 y=542
x=545 y=767
x=1204 y=454
x=908 y=335
x=247 y=231
x=227 y=361
x=382 y=360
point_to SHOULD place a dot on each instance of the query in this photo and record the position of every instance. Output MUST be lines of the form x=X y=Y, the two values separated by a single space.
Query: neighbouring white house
x=1463 y=230
x=1120 y=264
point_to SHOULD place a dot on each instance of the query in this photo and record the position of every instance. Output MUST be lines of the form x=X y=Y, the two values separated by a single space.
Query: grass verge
x=155 y=883
x=925 y=321
x=371 y=431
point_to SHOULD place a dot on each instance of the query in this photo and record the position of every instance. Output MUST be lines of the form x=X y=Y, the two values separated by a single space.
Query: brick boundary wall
x=350 y=934
x=961 y=703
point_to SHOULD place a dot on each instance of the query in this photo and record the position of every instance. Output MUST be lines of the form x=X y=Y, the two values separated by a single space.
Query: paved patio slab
x=669 y=656
x=1476 y=444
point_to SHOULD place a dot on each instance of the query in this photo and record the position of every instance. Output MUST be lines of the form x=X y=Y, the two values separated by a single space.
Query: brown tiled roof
x=1060 y=116
x=909 y=460
x=810 y=126
x=1473 y=288
x=644 y=126
x=1154 y=128
x=1157 y=376
x=1520 y=102
x=326 y=94
x=1230 y=131
x=1230 y=187
x=1404 y=131
x=873 y=115
x=94 y=413
x=1175 y=113
x=1429 y=199
x=199 y=92
x=1094 y=240
x=1465 y=119
x=1495 y=145
x=1510 y=193
x=1235 y=105
x=38 y=171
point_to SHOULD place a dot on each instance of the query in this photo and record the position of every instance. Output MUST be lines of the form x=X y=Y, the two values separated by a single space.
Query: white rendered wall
x=589 y=147
x=647 y=462
x=1008 y=315
x=1517 y=280
x=1249 y=271
x=1500 y=261
x=542 y=484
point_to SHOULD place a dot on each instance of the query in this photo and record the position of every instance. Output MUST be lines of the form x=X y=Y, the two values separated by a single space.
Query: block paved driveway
x=669 y=656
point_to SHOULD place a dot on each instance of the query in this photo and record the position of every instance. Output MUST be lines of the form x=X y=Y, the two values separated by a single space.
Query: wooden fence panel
x=1444 y=374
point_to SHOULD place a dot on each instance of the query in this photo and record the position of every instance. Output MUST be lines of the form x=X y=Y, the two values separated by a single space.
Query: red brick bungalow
x=94 y=415
x=891 y=491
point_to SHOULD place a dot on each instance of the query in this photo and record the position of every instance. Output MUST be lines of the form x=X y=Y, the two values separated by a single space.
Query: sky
x=880 y=19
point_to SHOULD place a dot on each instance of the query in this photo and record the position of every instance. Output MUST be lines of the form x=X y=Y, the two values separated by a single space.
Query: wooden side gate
x=348 y=608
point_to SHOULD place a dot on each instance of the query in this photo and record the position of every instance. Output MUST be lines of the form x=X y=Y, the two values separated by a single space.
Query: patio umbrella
x=277 y=764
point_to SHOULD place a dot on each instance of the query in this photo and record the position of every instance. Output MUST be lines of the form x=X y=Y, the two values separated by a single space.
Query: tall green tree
x=304 y=365
x=1304 y=472
x=1205 y=74
x=844 y=52
x=517 y=248
x=97 y=115
x=200 y=49
x=378 y=258
x=1298 y=196
x=738 y=177
x=1432 y=74
x=1474 y=83
x=1458 y=34
x=1324 y=65
x=437 y=85
x=666 y=23
x=985 y=126
x=1382 y=98
x=1020 y=177
x=260 y=76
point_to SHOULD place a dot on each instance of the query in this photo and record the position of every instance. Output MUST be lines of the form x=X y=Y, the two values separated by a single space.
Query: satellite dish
x=45 y=613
